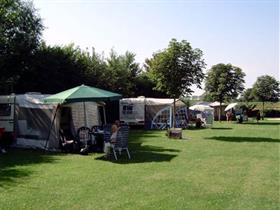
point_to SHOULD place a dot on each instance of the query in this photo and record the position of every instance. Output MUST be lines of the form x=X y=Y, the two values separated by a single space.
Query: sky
x=244 y=33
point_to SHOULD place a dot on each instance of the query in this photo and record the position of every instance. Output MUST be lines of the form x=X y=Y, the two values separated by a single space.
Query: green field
x=231 y=166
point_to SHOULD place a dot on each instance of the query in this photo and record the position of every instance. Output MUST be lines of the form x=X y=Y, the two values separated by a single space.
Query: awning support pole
x=49 y=133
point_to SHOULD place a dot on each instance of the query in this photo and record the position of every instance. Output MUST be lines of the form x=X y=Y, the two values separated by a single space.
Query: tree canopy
x=266 y=88
x=247 y=95
x=176 y=68
x=224 y=82
x=20 y=35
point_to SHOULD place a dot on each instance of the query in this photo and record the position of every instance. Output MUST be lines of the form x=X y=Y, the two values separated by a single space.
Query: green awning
x=81 y=94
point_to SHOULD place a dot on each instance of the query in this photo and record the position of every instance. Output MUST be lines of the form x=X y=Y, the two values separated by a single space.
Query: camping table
x=98 y=139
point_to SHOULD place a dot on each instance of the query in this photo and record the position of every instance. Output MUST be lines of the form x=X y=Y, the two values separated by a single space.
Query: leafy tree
x=224 y=82
x=53 y=70
x=20 y=35
x=144 y=86
x=58 y=68
x=266 y=88
x=207 y=97
x=176 y=68
x=247 y=95
x=121 y=72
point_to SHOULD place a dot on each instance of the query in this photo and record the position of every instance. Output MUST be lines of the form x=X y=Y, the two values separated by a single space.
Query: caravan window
x=127 y=109
x=5 y=109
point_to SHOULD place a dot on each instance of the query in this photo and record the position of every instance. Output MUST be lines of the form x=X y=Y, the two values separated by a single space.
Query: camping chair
x=96 y=128
x=65 y=144
x=84 y=136
x=122 y=142
x=107 y=132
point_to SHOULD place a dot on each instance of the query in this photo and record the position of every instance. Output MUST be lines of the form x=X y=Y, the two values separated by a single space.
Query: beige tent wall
x=92 y=114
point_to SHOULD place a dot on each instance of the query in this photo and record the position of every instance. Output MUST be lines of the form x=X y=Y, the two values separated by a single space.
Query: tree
x=247 y=95
x=224 y=82
x=144 y=86
x=176 y=68
x=206 y=97
x=20 y=35
x=266 y=88
x=121 y=73
x=56 y=68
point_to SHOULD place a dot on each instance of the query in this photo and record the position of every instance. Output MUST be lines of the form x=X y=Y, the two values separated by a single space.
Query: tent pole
x=85 y=114
x=104 y=115
x=49 y=133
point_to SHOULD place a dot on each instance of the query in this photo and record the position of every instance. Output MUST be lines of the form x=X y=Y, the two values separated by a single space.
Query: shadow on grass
x=144 y=153
x=221 y=128
x=195 y=128
x=12 y=165
x=262 y=123
x=243 y=139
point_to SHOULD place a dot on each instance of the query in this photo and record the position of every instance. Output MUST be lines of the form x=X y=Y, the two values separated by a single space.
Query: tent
x=201 y=107
x=216 y=106
x=152 y=113
x=204 y=112
x=28 y=119
x=81 y=95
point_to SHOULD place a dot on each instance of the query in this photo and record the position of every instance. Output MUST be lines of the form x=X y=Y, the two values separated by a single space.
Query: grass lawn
x=231 y=166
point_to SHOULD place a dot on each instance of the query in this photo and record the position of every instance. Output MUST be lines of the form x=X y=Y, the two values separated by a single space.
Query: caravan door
x=132 y=111
x=7 y=112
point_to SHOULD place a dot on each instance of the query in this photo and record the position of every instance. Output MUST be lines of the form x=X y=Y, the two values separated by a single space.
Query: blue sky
x=241 y=32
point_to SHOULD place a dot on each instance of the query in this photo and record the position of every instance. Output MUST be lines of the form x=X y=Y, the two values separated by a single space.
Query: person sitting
x=112 y=142
x=66 y=145
x=118 y=124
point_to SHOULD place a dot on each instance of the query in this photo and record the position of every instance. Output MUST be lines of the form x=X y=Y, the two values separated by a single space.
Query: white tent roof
x=148 y=101
x=216 y=103
x=230 y=106
x=32 y=101
x=201 y=107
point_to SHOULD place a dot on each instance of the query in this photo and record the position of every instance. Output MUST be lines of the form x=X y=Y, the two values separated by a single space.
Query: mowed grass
x=231 y=166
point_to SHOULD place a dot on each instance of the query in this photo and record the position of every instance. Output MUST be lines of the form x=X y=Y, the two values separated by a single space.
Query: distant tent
x=152 y=113
x=216 y=106
x=204 y=112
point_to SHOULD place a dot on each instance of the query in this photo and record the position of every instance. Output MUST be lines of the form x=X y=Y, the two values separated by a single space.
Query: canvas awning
x=82 y=93
x=201 y=108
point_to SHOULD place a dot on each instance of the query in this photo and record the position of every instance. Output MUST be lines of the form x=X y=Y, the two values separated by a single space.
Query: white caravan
x=152 y=113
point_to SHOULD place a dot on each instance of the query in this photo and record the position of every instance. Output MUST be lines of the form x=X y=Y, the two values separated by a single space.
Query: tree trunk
x=220 y=111
x=174 y=113
x=263 y=110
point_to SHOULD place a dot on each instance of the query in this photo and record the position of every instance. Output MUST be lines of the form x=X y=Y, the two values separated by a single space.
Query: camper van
x=30 y=123
x=7 y=113
x=152 y=113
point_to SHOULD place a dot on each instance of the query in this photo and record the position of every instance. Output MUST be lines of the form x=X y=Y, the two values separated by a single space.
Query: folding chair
x=121 y=143
x=84 y=137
